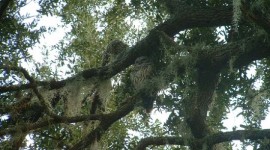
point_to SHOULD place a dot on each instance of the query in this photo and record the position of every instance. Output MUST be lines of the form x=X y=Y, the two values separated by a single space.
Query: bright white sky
x=50 y=39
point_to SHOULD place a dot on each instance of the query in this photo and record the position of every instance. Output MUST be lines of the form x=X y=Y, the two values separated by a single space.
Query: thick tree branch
x=210 y=140
x=199 y=105
x=196 y=17
x=51 y=84
x=44 y=102
x=244 y=51
x=106 y=119
x=238 y=135
x=105 y=123
x=45 y=122
x=158 y=141
x=208 y=17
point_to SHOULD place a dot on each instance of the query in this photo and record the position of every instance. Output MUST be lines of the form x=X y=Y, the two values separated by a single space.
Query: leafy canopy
x=210 y=57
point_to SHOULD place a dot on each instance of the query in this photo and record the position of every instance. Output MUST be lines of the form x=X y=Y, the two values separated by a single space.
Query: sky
x=233 y=120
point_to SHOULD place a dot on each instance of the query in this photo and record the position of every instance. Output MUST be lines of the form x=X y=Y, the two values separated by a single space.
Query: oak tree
x=201 y=52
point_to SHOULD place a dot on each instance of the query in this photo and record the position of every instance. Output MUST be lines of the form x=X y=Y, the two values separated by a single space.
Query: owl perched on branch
x=114 y=48
x=142 y=72
x=102 y=91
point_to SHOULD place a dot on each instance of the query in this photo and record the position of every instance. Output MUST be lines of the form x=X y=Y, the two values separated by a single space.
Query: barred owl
x=114 y=48
x=142 y=71
x=101 y=91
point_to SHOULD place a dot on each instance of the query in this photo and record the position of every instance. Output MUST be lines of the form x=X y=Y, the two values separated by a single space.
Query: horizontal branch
x=158 y=141
x=244 y=51
x=45 y=122
x=238 y=135
x=105 y=118
x=196 y=17
x=210 y=140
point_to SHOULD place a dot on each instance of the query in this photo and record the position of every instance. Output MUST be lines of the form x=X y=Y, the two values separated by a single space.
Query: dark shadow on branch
x=256 y=16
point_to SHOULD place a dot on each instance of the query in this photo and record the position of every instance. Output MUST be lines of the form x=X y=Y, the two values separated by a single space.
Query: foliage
x=210 y=57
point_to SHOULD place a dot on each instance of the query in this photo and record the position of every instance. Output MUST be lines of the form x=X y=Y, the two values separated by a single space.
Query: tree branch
x=196 y=17
x=244 y=51
x=238 y=135
x=45 y=122
x=210 y=140
x=44 y=102
x=106 y=122
x=158 y=141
